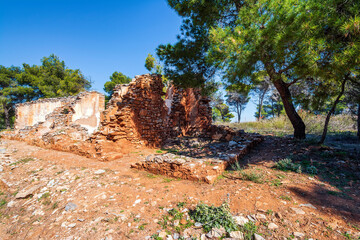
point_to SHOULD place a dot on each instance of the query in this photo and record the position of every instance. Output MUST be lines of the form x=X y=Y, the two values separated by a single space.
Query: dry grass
x=314 y=124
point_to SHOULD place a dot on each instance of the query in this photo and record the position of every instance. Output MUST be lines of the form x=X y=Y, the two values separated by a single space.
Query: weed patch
x=214 y=217
x=24 y=160
x=287 y=165
x=251 y=176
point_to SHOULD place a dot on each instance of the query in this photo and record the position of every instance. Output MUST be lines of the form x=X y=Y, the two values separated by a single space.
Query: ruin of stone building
x=141 y=112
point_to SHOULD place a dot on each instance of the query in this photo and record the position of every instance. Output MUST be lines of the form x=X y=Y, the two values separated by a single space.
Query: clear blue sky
x=97 y=37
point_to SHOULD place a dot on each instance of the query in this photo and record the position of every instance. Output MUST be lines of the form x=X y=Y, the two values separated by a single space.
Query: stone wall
x=136 y=112
x=30 y=113
x=84 y=109
x=189 y=112
x=141 y=112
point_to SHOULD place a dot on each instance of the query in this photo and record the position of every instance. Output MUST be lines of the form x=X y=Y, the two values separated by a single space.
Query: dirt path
x=75 y=197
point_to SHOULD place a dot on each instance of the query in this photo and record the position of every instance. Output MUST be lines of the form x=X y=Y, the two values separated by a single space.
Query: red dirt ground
x=113 y=204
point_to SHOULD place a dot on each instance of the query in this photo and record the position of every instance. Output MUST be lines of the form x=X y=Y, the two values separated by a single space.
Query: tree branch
x=294 y=81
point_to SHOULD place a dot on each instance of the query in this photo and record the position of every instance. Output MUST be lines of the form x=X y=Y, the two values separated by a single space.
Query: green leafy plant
x=236 y=166
x=214 y=217
x=142 y=226
x=181 y=204
x=249 y=229
x=2 y=202
x=287 y=165
x=312 y=170
x=251 y=176
x=24 y=160
x=287 y=198
x=276 y=182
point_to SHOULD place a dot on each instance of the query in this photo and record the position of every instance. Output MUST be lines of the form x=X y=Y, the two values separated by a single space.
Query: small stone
x=38 y=212
x=72 y=225
x=51 y=183
x=258 y=237
x=240 y=220
x=176 y=222
x=260 y=216
x=70 y=206
x=237 y=235
x=100 y=171
x=232 y=143
x=197 y=224
x=81 y=219
x=27 y=192
x=11 y=204
x=137 y=201
x=216 y=233
x=308 y=205
x=297 y=210
x=162 y=234
x=272 y=226
x=299 y=234
x=176 y=236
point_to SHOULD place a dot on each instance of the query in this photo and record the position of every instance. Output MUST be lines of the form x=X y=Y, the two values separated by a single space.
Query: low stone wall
x=199 y=159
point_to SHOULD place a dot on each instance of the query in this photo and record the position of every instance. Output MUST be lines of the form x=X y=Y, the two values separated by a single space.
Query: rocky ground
x=46 y=194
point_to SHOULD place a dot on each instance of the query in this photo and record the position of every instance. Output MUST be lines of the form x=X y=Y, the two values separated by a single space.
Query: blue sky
x=97 y=37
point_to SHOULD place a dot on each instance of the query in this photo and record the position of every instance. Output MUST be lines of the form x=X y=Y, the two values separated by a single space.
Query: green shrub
x=249 y=229
x=287 y=165
x=214 y=217
x=311 y=170
x=252 y=176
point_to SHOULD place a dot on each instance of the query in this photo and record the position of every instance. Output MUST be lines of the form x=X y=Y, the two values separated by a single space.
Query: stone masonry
x=142 y=112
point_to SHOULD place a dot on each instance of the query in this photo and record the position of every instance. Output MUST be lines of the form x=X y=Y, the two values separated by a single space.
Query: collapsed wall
x=189 y=112
x=136 y=112
x=83 y=110
x=140 y=112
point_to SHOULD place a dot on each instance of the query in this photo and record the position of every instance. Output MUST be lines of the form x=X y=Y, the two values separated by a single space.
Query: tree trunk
x=358 y=121
x=332 y=110
x=259 y=112
x=238 y=112
x=261 y=100
x=7 y=117
x=295 y=119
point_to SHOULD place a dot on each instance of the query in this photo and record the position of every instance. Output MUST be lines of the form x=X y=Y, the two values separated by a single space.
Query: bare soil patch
x=88 y=199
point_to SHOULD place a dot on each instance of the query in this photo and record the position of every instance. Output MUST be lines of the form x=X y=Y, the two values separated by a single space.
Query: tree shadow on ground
x=337 y=164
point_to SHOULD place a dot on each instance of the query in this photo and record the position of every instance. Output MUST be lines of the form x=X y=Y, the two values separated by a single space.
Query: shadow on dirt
x=337 y=164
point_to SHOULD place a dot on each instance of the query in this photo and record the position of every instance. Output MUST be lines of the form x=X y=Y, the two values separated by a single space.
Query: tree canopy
x=294 y=42
x=50 y=79
x=115 y=78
